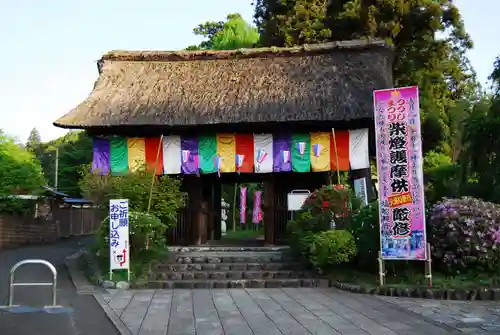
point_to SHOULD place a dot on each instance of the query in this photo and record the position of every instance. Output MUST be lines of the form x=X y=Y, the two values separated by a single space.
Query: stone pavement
x=264 y=311
x=85 y=317
x=469 y=317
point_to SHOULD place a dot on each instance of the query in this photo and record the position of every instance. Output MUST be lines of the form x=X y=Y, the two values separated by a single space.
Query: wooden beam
x=268 y=209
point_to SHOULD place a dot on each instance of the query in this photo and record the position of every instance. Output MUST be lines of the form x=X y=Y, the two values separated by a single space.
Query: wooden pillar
x=217 y=197
x=195 y=191
x=268 y=209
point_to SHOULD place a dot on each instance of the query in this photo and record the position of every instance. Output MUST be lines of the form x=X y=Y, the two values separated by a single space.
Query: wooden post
x=268 y=209
x=194 y=189
x=217 y=209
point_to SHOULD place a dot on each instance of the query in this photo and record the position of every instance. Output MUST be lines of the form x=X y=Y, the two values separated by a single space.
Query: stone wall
x=17 y=231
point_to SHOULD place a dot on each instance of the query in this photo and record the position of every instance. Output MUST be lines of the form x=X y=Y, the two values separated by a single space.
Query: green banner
x=301 y=153
x=207 y=146
x=118 y=155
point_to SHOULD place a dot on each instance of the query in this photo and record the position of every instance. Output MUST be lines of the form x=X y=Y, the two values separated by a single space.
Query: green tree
x=20 y=173
x=34 y=143
x=234 y=33
x=75 y=150
x=414 y=28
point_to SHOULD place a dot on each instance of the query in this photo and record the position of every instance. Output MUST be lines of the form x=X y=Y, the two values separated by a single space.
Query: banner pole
x=381 y=269
x=428 y=263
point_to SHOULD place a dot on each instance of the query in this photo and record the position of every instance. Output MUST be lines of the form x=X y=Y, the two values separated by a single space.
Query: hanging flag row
x=241 y=153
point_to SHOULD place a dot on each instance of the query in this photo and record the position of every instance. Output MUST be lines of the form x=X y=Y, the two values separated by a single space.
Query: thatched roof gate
x=310 y=83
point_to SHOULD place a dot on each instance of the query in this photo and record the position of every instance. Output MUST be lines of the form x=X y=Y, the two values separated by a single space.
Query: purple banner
x=243 y=205
x=189 y=155
x=100 y=157
x=282 y=161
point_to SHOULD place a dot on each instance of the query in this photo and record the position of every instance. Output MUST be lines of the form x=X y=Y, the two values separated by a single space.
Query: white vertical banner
x=360 y=190
x=119 y=256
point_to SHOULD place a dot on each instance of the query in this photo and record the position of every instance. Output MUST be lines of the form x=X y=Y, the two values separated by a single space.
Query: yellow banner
x=136 y=153
x=226 y=150
x=320 y=152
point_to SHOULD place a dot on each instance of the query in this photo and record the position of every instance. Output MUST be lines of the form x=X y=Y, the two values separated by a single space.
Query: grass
x=415 y=279
x=241 y=234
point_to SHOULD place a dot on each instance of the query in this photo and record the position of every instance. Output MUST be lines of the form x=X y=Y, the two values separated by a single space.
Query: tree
x=232 y=34
x=20 y=173
x=75 y=151
x=34 y=143
x=436 y=64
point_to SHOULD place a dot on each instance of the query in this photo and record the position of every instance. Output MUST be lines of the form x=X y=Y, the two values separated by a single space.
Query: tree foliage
x=234 y=33
x=428 y=37
x=20 y=173
x=75 y=151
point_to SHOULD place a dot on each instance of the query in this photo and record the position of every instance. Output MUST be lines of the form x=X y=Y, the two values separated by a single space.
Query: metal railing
x=13 y=284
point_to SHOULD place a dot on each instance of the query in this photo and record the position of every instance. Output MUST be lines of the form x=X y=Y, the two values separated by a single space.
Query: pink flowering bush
x=465 y=235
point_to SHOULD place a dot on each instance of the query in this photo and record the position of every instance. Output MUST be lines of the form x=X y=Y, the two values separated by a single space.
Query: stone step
x=229 y=249
x=230 y=257
x=241 y=283
x=281 y=266
x=232 y=275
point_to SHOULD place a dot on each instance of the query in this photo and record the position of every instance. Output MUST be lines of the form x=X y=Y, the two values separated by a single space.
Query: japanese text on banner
x=400 y=177
x=118 y=234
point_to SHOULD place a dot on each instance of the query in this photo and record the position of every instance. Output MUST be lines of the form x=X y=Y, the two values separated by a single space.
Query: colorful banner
x=243 y=204
x=207 y=146
x=136 y=153
x=358 y=149
x=118 y=155
x=171 y=154
x=257 y=210
x=320 y=152
x=100 y=159
x=282 y=161
x=119 y=255
x=154 y=155
x=226 y=150
x=244 y=153
x=241 y=153
x=301 y=153
x=340 y=150
x=400 y=174
x=263 y=153
x=189 y=155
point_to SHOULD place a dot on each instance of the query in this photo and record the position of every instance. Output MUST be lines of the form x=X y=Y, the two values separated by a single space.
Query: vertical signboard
x=400 y=174
x=119 y=256
x=360 y=190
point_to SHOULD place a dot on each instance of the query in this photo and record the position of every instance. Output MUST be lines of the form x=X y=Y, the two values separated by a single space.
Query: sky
x=49 y=48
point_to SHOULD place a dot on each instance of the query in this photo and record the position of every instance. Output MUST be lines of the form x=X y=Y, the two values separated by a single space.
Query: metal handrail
x=12 y=284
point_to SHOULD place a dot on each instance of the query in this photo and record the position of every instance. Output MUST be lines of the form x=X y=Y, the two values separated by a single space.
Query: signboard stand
x=381 y=269
x=119 y=255
x=428 y=265
x=295 y=200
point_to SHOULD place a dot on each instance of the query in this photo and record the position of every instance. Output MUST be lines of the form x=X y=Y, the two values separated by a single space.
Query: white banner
x=119 y=256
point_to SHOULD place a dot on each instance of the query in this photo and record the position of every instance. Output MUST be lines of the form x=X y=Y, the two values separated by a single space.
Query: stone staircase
x=231 y=267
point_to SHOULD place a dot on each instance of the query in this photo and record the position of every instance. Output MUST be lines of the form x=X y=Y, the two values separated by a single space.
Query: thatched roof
x=332 y=81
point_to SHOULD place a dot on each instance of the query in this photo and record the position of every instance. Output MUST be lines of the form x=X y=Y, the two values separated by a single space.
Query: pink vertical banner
x=400 y=173
x=243 y=204
x=257 y=204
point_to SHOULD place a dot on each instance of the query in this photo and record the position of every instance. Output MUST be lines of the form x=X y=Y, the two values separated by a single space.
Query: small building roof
x=332 y=81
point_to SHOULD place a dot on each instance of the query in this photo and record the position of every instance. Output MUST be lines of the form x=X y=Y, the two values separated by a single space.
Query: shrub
x=465 y=235
x=136 y=187
x=365 y=228
x=441 y=177
x=142 y=227
x=336 y=199
x=331 y=248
